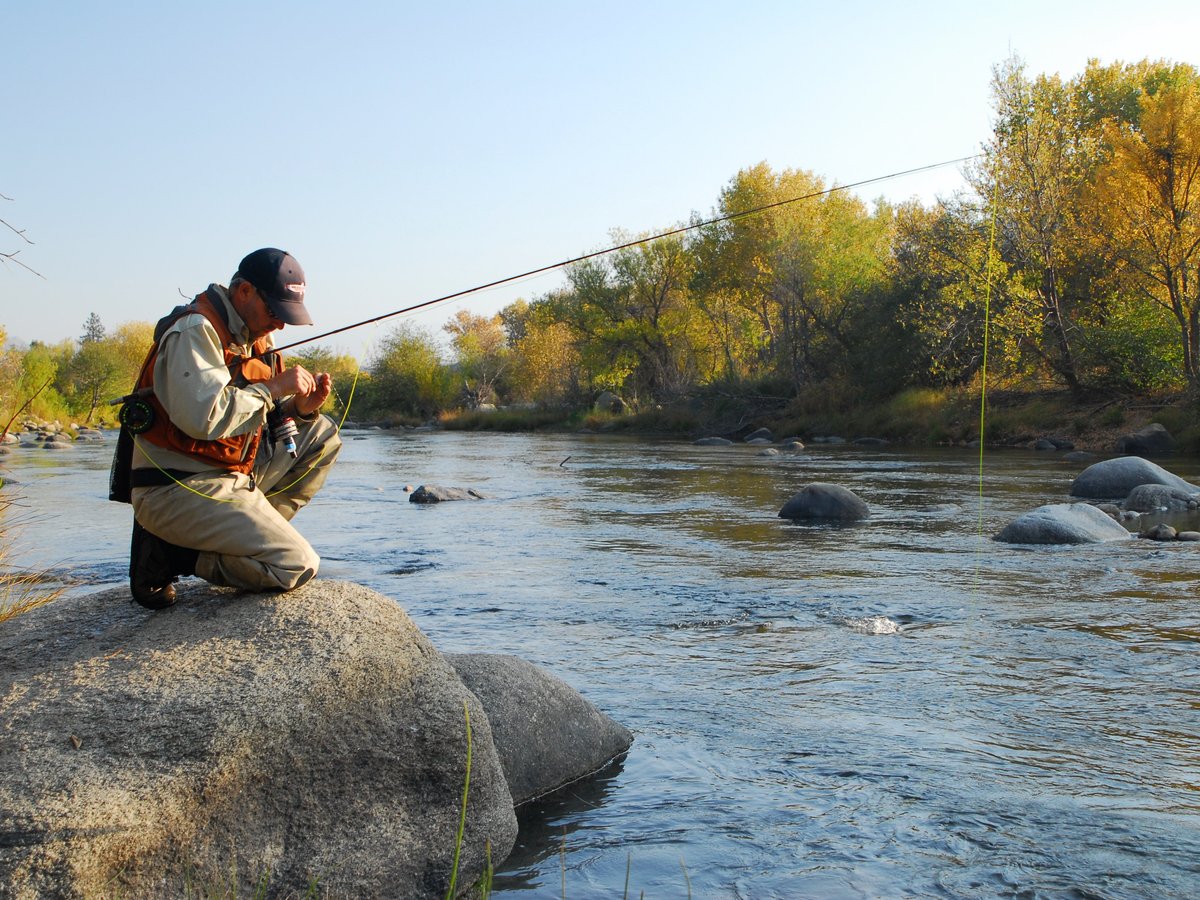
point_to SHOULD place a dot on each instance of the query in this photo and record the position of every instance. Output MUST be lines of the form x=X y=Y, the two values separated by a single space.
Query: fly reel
x=136 y=415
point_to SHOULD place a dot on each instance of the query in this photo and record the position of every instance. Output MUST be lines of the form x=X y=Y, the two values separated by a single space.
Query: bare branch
x=12 y=257
x=20 y=232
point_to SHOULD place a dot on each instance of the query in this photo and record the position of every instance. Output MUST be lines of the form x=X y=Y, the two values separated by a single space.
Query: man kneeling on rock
x=228 y=443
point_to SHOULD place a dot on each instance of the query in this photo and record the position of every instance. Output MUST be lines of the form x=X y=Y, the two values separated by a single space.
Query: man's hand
x=309 y=403
x=308 y=391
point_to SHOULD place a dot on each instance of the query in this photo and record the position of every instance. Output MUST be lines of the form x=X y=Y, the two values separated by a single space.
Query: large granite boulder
x=1153 y=440
x=1113 y=479
x=825 y=502
x=1063 y=523
x=547 y=734
x=314 y=738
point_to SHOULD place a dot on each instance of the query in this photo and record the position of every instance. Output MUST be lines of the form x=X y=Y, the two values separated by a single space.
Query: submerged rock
x=829 y=502
x=1160 y=532
x=435 y=493
x=712 y=442
x=1112 y=479
x=761 y=434
x=875 y=625
x=1063 y=523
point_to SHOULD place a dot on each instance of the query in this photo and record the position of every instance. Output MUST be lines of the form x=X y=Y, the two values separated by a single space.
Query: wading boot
x=151 y=574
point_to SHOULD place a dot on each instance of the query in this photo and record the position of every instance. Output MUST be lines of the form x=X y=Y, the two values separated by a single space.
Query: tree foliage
x=481 y=349
x=408 y=376
x=1072 y=257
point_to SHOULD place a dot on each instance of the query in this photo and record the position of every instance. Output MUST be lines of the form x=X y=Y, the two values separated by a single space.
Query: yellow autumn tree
x=547 y=364
x=481 y=351
x=1148 y=204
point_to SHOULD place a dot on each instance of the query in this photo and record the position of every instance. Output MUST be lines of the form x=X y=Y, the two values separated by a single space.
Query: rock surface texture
x=310 y=739
x=1113 y=479
x=1154 y=497
x=547 y=734
x=1063 y=523
x=436 y=493
x=825 y=502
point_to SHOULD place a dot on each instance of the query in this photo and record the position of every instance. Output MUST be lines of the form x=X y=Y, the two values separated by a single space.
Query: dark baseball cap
x=280 y=280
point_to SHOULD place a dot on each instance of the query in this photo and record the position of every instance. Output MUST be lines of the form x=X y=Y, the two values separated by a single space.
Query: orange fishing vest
x=234 y=453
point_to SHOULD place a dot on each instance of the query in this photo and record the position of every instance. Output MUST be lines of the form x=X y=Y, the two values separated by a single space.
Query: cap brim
x=291 y=312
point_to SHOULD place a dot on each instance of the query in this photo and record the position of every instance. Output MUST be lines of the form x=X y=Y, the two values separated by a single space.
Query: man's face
x=252 y=307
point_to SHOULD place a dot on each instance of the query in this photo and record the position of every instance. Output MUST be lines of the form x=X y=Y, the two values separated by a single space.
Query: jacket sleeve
x=192 y=383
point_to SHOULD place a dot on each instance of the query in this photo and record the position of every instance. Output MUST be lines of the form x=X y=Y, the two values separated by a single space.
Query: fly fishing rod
x=646 y=240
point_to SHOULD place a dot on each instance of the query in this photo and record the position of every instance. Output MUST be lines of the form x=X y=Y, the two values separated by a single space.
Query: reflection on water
x=903 y=707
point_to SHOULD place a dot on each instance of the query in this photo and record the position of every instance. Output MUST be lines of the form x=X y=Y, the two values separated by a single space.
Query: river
x=899 y=708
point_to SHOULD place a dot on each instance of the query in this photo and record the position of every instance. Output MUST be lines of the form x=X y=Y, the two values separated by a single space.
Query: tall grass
x=20 y=590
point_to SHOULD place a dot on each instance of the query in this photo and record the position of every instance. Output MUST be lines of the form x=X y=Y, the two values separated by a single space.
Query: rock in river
x=828 y=502
x=1063 y=523
x=1154 y=497
x=547 y=734
x=1113 y=479
x=435 y=493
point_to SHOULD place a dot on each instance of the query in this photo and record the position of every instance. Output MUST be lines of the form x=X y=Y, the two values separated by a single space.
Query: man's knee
x=292 y=573
x=273 y=570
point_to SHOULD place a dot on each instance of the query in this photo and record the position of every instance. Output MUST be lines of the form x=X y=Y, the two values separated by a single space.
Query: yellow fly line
x=987 y=315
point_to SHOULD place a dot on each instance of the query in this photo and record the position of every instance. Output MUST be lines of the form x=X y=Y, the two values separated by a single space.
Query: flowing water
x=899 y=708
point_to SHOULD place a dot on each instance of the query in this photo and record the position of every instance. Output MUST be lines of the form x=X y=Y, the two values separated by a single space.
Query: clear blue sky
x=403 y=152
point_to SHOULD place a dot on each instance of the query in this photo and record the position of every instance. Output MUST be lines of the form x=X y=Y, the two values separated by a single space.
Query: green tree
x=482 y=353
x=1039 y=159
x=94 y=372
x=634 y=320
x=801 y=273
x=130 y=344
x=93 y=330
x=928 y=328
x=408 y=377
x=42 y=366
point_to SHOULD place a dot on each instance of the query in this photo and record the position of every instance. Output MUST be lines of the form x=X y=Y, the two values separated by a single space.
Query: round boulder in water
x=1063 y=523
x=1115 y=478
x=827 y=502
x=1155 y=497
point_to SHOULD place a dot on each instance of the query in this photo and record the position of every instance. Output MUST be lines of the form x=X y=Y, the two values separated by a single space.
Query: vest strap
x=157 y=477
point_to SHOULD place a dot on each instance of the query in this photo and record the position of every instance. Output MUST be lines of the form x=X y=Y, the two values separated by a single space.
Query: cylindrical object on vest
x=285 y=432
